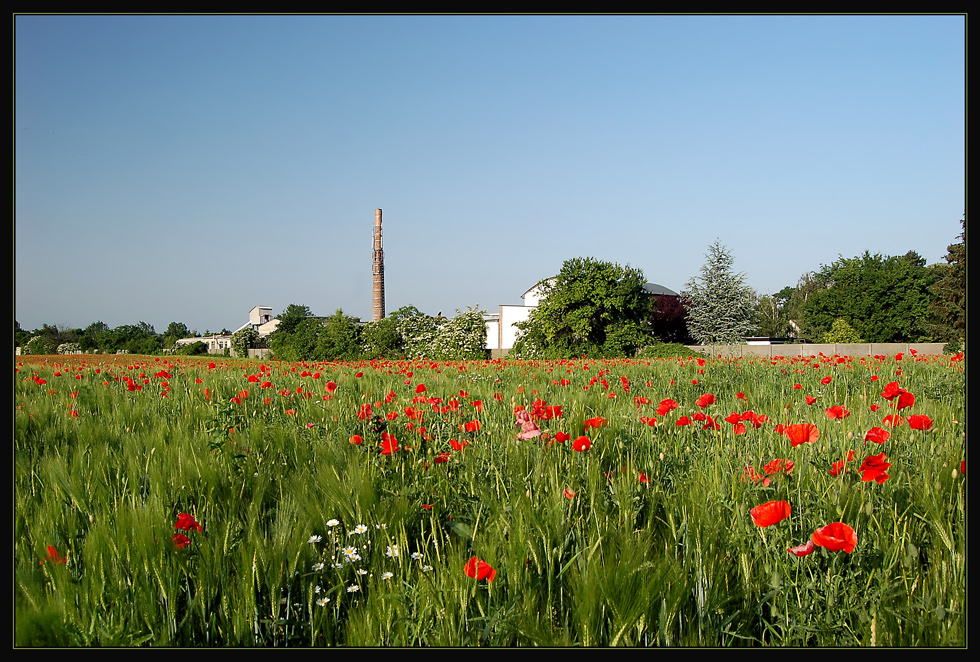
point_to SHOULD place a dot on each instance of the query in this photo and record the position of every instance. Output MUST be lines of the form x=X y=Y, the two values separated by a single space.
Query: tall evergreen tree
x=720 y=306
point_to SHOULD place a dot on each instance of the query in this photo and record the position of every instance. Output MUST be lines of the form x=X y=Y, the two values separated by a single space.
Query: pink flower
x=529 y=429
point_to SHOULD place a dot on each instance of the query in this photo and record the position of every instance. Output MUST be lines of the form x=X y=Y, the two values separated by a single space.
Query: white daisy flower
x=353 y=589
x=386 y=576
x=416 y=556
x=317 y=589
x=317 y=567
x=338 y=566
x=360 y=529
x=349 y=551
x=392 y=551
x=361 y=571
x=314 y=539
x=426 y=568
x=322 y=602
x=332 y=523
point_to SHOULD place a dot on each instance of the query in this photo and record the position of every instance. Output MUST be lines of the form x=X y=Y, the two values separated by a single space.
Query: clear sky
x=188 y=168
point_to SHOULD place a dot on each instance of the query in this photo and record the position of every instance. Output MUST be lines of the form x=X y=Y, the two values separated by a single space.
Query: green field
x=221 y=502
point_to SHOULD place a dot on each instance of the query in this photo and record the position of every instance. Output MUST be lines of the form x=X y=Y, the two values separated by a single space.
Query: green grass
x=672 y=560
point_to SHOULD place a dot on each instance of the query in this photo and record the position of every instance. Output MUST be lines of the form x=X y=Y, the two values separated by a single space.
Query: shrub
x=243 y=340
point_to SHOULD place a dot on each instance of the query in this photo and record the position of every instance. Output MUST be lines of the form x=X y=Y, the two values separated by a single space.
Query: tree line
x=140 y=338
x=602 y=309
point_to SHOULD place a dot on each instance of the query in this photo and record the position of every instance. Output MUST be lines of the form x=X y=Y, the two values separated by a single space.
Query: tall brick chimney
x=378 y=270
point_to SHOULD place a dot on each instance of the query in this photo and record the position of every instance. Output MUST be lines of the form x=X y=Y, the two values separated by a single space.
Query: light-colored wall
x=509 y=315
x=493 y=334
x=815 y=349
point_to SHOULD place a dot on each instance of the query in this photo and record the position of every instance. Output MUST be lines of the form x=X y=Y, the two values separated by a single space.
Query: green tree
x=21 y=336
x=291 y=317
x=841 y=332
x=885 y=299
x=97 y=336
x=947 y=312
x=175 y=331
x=338 y=338
x=243 y=340
x=591 y=308
x=381 y=338
x=771 y=316
x=720 y=306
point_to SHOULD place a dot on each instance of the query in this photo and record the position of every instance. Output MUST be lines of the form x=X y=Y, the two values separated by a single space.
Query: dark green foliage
x=885 y=299
x=947 y=312
x=315 y=338
x=194 y=349
x=175 y=331
x=592 y=308
x=381 y=338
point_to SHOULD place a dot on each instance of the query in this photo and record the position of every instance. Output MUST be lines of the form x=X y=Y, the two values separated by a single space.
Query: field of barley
x=813 y=501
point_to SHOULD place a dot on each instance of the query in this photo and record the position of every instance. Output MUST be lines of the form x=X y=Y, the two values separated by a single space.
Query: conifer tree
x=720 y=306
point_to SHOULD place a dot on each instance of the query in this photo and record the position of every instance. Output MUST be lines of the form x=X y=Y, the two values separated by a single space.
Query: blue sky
x=188 y=168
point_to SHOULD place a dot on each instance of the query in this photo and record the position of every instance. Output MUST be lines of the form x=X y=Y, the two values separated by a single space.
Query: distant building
x=259 y=318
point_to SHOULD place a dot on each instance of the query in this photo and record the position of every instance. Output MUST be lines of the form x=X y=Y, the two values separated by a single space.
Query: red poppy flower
x=666 y=406
x=582 y=444
x=873 y=468
x=330 y=387
x=835 y=537
x=778 y=466
x=892 y=389
x=877 y=435
x=186 y=522
x=562 y=437
x=356 y=440
x=905 y=400
x=596 y=422
x=837 y=412
x=825 y=380
x=801 y=433
x=54 y=556
x=770 y=513
x=388 y=443
x=181 y=541
x=420 y=388
x=683 y=420
x=649 y=420
x=741 y=396
x=479 y=569
x=472 y=426
x=810 y=399
x=442 y=458
x=919 y=422
x=569 y=493
x=705 y=400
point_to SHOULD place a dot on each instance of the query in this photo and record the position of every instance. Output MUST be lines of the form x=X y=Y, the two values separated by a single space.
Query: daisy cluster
x=348 y=553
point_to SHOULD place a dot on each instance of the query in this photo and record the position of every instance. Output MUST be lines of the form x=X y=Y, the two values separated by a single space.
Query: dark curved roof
x=654 y=288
